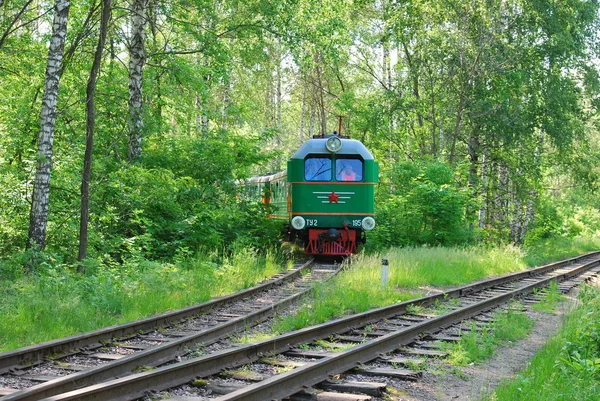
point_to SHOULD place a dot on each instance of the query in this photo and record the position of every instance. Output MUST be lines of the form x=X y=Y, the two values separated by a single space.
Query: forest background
x=124 y=125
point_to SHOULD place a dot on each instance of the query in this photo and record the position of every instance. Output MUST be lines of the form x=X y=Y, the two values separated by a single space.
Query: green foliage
x=551 y=296
x=556 y=248
x=420 y=204
x=181 y=198
x=58 y=302
x=477 y=345
x=473 y=346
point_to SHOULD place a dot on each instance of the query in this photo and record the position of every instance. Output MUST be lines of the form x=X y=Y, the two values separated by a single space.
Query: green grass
x=551 y=249
x=568 y=366
x=415 y=267
x=411 y=271
x=475 y=346
x=551 y=296
x=59 y=302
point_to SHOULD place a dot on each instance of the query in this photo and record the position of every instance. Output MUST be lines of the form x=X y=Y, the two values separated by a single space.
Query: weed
x=550 y=299
x=474 y=345
x=415 y=309
x=250 y=337
x=332 y=346
x=284 y=369
x=393 y=393
x=199 y=383
x=416 y=365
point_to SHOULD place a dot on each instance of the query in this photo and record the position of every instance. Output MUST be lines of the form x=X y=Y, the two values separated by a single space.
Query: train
x=326 y=196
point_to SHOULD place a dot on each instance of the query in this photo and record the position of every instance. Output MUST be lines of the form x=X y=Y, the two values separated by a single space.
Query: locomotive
x=326 y=196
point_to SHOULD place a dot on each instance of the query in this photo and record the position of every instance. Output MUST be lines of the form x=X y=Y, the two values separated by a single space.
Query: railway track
x=389 y=336
x=39 y=371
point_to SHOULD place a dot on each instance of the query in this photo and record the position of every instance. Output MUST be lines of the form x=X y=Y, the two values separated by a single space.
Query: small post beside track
x=384 y=272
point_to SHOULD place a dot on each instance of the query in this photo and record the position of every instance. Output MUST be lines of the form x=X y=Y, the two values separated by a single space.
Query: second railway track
x=58 y=366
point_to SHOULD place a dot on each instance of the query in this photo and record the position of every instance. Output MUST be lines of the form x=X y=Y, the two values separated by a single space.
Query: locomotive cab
x=331 y=194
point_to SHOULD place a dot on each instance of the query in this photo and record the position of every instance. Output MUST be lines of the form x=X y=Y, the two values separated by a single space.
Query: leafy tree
x=419 y=204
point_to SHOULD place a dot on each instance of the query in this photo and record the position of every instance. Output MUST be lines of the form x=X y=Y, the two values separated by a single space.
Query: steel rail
x=35 y=353
x=153 y=356
x=137 y=385
x=291 y=382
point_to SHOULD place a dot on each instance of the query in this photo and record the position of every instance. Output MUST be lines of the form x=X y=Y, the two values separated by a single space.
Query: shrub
x=420 y=204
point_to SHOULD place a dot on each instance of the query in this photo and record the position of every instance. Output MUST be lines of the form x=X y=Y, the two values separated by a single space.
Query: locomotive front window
x=349 y=169
x=317 y=169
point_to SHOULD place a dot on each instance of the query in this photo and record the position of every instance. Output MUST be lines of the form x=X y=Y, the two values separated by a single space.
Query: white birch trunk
x=484 y=187
x=501 y=197
x=137 y=59
x=529 y=213
x=38 y=218
x=517 y=222
x=303 y=114
x=226 y=103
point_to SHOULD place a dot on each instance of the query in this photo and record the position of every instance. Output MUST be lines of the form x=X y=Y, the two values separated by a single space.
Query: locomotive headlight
x=333 y=144
x=368 y=223
x=298 y=222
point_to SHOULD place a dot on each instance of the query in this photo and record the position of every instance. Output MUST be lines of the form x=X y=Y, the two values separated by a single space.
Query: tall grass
x=568 y=366
x=548 y=250
x=60 y=302
x=414 y=267
x=411 y=271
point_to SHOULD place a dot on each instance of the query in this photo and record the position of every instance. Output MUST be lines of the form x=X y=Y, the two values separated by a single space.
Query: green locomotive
x=326 y=195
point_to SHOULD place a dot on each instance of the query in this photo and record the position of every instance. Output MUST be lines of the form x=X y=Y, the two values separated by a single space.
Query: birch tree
x=137 y=59
x=38 y=220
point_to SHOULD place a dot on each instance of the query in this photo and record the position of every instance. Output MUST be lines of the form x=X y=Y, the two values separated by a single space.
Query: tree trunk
x=529 y=213
x=89 y=141
x=501 y=197
x=320 y=97
x=137 y=59
x=279 y=94
x=517 y=222
x=38 y=218
x=303 y=114
x=226 y=103
x=484 y=187
x=473 y=149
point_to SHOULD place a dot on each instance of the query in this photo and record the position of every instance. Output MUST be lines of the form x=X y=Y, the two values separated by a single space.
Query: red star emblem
x=333 y=197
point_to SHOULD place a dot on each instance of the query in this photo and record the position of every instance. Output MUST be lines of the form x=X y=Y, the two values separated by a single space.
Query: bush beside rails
x=179 y=197
x=568 y=366
x=58 y=301
x=420 y=204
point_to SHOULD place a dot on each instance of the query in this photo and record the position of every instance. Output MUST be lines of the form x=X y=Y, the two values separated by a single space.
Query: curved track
x=381 y=330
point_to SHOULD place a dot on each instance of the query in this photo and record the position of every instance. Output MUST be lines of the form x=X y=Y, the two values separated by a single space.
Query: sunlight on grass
x=568 y=366
x=251 y=336
x=60 y=302
x=359 y=288
x=551 y=296
x=413 y=267
x=551 y=249
x=477 y=345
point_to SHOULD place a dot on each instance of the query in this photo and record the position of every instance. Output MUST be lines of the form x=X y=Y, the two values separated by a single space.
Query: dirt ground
x=443 y=382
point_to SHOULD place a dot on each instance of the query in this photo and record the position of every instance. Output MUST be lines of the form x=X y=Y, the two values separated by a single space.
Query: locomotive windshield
x=317 y=169
x=349 y=169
